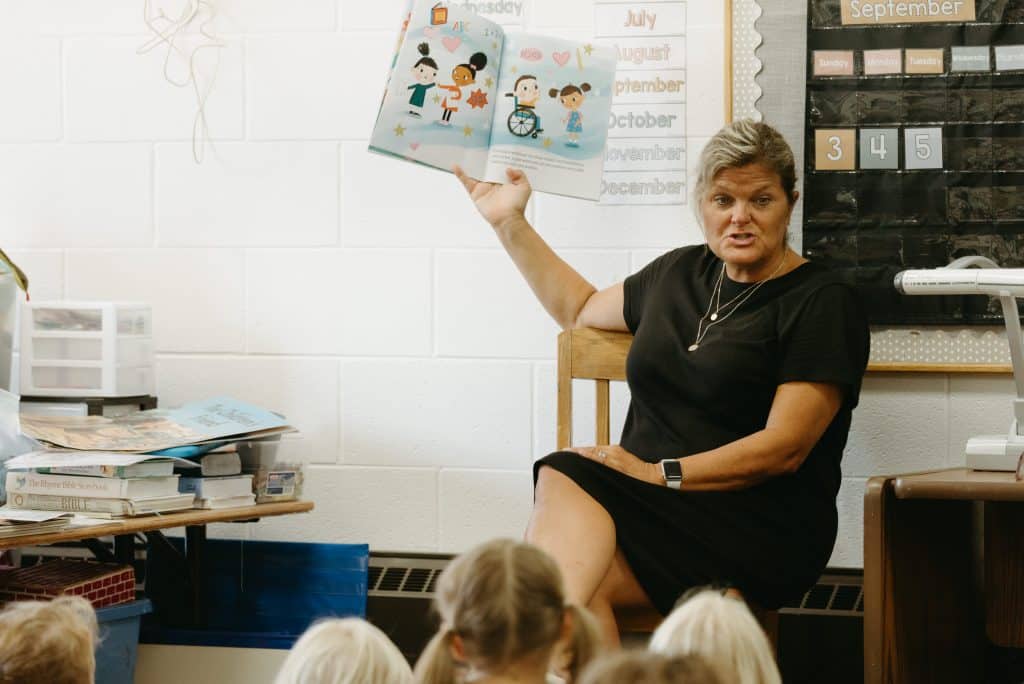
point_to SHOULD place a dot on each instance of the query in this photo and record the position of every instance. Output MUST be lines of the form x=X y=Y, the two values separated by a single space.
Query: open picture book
x=463 y=91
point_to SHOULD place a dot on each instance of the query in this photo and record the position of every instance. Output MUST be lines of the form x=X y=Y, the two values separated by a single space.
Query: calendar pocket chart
x=914 y=146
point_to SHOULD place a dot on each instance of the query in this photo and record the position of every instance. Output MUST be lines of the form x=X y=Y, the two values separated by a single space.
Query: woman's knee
x=555 y=488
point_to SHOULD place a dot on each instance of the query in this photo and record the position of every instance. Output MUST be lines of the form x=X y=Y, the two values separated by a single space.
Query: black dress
x=772 y=540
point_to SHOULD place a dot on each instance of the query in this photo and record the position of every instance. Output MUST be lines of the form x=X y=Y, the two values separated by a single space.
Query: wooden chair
x=600 y=355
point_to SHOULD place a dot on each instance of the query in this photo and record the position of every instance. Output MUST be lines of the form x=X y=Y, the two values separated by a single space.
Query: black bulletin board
x=953 y=176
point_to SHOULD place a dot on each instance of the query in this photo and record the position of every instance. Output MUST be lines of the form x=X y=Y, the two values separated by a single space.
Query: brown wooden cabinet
x=943 y=568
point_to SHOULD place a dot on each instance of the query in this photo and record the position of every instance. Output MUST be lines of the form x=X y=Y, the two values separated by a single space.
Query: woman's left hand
x=615 y=457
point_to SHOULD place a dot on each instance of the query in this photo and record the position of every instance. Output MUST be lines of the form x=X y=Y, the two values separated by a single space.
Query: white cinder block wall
x=359 y=295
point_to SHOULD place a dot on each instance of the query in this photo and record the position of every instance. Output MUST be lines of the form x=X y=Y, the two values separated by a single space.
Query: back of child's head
x=344 y=651
x=48 y=642
x=722 y=630
x=504 y=604
x=645 y=667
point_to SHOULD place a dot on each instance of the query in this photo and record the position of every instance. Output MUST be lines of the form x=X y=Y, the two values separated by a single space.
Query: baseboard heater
x=820 y=636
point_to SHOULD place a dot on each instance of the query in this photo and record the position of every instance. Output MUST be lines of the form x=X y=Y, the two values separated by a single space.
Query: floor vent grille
x=406 y=576
x=416 y=577
x=834 y=594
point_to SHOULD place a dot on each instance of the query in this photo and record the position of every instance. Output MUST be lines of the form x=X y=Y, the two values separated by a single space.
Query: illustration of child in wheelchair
x=524 y=120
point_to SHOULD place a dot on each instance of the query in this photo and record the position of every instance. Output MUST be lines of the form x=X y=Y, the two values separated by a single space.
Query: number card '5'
x=923 y=148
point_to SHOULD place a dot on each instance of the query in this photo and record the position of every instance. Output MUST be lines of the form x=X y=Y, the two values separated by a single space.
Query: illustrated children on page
x=572 y=99
x=463 y=75
x=524 y=119
x=425 y=74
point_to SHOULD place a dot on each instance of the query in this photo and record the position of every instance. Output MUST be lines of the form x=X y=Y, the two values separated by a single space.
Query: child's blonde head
x=722 y=630
x=644 y=667
x=504 y=604
x=344 y=651
x=48 y=642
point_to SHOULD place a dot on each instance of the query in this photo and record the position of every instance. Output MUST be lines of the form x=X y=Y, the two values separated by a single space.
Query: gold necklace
x=716 y=295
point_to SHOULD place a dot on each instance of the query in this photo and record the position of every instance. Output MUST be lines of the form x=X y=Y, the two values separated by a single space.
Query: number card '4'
x=835 y=149
x=879 y=148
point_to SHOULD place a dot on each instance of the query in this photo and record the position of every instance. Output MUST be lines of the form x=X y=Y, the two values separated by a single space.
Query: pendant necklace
x=715 y=299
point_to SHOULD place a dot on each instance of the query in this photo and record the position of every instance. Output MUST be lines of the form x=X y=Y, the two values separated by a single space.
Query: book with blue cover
x=462 y=90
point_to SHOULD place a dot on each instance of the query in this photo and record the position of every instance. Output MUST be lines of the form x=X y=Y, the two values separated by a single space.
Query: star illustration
x=547 y=142
x=514 y=69
x=477 y=99
x=467 y=131
x=437 y=99
x=489 y=82
x=399 y=131
x=588 y=48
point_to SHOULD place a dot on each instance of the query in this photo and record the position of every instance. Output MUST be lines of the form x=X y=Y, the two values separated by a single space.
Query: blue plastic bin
x=257 y=594
x=119 y=641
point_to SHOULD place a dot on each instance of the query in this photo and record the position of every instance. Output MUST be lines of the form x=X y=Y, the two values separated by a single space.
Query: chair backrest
x=592 y=354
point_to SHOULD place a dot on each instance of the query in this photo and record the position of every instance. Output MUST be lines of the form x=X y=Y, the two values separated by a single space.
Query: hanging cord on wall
x=170 y=33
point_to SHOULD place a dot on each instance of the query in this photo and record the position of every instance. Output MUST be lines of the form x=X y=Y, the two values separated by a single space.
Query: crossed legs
x=580 y=535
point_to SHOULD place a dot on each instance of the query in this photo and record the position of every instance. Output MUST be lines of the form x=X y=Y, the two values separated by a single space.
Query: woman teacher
x=745 y=366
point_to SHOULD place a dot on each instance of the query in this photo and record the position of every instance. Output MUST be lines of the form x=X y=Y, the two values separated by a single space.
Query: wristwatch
x=672 y=471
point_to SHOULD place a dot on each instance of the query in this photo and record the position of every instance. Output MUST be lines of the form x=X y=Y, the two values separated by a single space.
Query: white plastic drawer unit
x=79 y=349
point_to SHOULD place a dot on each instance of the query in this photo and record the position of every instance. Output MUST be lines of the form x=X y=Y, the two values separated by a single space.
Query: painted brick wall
x=360 y=296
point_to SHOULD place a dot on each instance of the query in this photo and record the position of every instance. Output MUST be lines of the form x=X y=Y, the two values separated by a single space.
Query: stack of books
x=99 y=491
x=22 y=523
x=144 y=462
x=224 y=491
x=218 y=481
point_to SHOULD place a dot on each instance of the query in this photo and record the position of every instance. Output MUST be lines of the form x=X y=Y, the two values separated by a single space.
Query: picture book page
x=437 y=109
x=551 y=118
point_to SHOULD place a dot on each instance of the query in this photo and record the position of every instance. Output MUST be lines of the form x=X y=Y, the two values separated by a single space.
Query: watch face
x=672 y=469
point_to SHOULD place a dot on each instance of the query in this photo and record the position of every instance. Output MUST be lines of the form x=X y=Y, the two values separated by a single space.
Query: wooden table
x=943 y=568
x=194 y=521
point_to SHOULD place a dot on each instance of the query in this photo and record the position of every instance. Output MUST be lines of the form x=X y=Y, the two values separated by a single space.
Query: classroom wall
x=358 y=295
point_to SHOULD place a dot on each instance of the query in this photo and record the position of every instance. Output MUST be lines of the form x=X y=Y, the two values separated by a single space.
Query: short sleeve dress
x=772 y=540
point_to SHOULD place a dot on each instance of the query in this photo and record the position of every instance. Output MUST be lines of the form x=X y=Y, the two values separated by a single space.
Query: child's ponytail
x=584 y=640
x=437 y=665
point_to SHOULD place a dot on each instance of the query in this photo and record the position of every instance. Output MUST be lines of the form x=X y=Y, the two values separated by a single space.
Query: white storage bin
x=80 y=349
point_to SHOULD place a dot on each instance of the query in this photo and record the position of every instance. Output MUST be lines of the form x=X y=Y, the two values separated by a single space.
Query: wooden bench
x=600 y=355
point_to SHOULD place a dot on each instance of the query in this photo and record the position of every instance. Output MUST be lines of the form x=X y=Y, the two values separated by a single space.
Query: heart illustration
x=414 y=146
x=430 y=31
x=561 y=58
x=453 y=42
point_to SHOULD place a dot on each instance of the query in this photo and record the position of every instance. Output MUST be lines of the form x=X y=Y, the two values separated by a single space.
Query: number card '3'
x=835 y=149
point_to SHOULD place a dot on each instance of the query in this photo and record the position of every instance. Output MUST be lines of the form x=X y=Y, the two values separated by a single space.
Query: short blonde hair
x=644 y=667
x=48 y=642
x=344 y=651
x=743 y=142
x=722 y=630
x=505 y=601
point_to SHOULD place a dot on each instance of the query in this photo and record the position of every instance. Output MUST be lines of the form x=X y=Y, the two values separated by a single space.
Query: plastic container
x=256 y=594
x=274 y=479
x=79 y=349
x=119 y=645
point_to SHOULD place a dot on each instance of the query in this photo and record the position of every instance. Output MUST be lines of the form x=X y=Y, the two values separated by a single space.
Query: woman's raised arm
x=566 y=295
